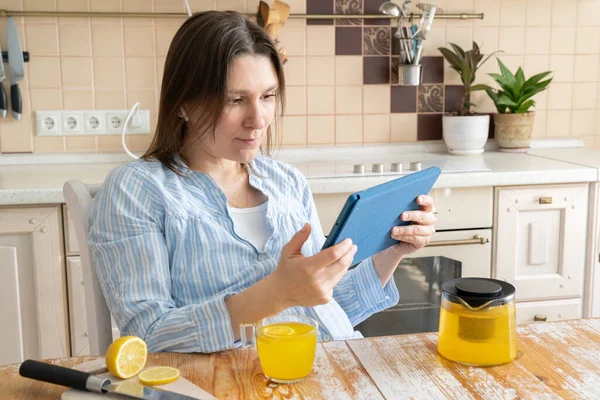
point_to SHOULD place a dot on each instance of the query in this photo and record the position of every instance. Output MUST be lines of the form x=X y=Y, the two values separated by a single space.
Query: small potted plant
x=514 y=122
x=464 y=131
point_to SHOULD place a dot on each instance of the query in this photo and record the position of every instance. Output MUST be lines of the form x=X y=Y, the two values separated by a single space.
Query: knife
x=2 y=91
x=16 y=67
x=85 y=381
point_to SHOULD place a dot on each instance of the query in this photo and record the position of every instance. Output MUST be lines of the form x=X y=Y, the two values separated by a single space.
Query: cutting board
x=181 y=385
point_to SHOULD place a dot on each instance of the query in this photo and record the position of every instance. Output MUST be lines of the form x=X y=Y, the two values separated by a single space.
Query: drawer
x=551 y=310
x=71 y=246
x=459 y=208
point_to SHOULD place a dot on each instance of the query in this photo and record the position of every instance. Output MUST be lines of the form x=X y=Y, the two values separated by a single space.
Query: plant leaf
x=536 y=78
x=523 y=108
x=475 y=88
x=455 y=60
x=458 y=50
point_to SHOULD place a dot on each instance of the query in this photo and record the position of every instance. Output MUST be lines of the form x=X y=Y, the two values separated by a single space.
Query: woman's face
x=250 y=108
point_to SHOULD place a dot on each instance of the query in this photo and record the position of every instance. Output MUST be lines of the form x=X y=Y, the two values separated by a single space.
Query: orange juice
x=478 y=337
x=286 y=350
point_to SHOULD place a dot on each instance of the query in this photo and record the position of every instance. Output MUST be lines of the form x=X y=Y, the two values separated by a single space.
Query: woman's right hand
x=309 y=281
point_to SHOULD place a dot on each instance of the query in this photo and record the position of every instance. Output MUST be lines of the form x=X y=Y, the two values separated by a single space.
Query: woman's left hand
x=417 y=235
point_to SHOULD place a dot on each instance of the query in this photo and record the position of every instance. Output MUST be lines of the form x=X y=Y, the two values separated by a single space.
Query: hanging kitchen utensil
x=16 y=68
x=272 y=19
x=3 y=105
x=428 y=14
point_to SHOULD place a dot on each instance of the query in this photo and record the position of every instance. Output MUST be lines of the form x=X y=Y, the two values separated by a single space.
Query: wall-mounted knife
x=16 y=67
x=3 y=105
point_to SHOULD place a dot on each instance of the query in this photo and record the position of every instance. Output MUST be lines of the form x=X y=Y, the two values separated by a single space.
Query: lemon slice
x=126 y=356
x=158 y=375
x=278 y=330
x=132 y=388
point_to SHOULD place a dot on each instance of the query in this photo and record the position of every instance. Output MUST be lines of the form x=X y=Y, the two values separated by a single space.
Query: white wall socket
x=90 y=122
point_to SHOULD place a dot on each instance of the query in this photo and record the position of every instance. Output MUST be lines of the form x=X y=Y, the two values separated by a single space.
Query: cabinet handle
x=540 y=317
x=476 y=240
x=545 y=200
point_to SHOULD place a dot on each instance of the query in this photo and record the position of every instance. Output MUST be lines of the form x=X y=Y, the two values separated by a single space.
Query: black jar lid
x=478 y=291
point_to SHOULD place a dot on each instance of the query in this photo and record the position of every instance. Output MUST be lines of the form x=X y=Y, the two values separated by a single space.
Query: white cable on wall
x=132 y=112
x=187 y=7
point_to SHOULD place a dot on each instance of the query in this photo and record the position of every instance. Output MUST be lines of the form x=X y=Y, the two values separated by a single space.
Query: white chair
x=79 y=201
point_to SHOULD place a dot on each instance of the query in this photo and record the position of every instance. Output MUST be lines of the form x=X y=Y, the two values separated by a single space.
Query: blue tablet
x=369 y=215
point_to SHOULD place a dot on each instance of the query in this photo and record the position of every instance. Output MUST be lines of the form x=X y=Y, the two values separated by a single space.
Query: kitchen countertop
x=38 y=179
x=555 y=360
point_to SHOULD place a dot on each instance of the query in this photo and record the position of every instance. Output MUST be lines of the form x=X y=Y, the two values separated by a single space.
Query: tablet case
x=369 y=215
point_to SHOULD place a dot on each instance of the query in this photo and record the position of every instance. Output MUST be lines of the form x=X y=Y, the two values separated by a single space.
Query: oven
x=461 y=247
x=419 y=278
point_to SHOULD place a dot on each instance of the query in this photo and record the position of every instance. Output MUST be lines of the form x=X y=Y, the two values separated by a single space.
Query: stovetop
x=390 y=167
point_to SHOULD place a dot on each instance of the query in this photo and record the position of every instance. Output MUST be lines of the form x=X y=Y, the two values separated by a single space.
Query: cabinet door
x=80 y=345
x=550 y=310
x=540 y=240
x=33 y=309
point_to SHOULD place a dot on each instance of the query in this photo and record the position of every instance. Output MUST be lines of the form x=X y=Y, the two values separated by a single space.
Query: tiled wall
x=340 y=75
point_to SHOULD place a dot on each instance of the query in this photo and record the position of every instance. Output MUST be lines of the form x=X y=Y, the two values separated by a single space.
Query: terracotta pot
x=513 y=131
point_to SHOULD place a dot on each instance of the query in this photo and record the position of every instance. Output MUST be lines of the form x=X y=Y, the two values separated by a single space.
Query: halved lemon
x=126 y=356
x=158 y=375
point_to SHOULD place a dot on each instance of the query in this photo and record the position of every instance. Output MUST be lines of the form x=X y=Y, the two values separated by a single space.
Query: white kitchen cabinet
x=33 y=306
x=549 y=310
x=540 y=240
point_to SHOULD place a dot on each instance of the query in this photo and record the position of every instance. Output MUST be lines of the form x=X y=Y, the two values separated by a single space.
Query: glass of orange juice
x=286 y=346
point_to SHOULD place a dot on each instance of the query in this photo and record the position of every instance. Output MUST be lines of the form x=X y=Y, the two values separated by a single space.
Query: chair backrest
x=79 y=202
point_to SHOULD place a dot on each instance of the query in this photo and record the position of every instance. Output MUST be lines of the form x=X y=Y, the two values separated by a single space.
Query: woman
x=204 y=233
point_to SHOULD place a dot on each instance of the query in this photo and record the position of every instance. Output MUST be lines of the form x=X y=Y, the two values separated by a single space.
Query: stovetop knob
x=397 y=167
x=359 y=168
x=415 y=166
x=378 y=168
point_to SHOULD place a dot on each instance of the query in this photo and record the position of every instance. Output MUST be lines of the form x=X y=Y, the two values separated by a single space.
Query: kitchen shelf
x=8 y=13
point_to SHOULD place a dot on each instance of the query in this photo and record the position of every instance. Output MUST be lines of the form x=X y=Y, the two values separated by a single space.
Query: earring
x=185 y=117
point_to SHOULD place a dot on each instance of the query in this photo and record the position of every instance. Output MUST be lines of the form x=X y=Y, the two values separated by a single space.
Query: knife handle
x=62 y=376
x=3 y=104
x=16 y=102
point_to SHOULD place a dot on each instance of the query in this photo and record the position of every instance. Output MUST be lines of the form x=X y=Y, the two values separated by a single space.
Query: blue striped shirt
x=168 y=256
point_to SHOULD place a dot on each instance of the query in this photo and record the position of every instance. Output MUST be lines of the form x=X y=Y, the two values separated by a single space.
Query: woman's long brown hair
x=195 y=75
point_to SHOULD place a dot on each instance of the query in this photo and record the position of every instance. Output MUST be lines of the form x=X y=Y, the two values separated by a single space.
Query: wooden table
x=556 y=360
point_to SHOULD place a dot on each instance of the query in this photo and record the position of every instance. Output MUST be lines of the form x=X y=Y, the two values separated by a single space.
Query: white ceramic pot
x=465 y=135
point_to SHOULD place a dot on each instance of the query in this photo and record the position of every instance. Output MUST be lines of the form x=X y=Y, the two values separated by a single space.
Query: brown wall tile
x=319 y=7
x=404 y=99
x=349 y=7
x=429 y=127
x=348 y=41
x=433 y=69
x=453 y=98
x=376 y=70
x=431 y=98
x=376 y=41
x=372 y=7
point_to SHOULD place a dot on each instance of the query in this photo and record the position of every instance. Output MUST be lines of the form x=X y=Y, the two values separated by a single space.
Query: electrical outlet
x=48 y=123
x=90 y=122
x=72 y=122
x=115 y=120
x=94 y=122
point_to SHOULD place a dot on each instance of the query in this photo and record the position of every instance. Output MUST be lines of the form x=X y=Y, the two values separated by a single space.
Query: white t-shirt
x=251 y=224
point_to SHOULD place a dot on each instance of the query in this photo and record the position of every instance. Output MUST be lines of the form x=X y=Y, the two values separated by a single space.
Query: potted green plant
x=514 y=122
x=464 y=131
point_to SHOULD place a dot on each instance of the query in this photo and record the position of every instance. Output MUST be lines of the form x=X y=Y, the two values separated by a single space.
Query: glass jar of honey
x=478 y=322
